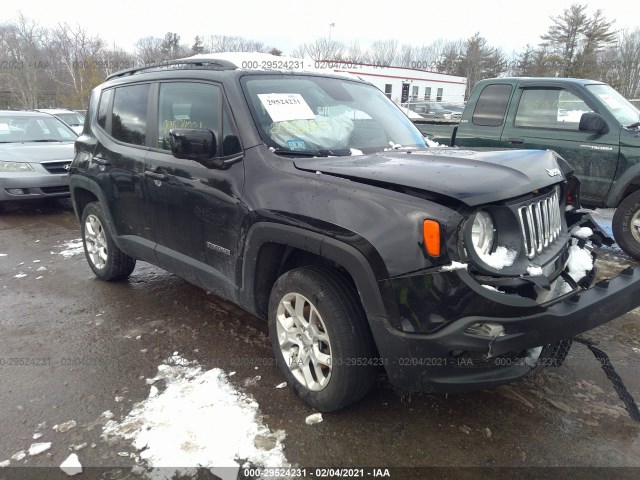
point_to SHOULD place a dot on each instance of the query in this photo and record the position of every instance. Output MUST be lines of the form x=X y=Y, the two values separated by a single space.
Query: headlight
x=15 y=167
x=482 y=233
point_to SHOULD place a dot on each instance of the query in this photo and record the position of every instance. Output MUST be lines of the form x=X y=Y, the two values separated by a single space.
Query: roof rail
x=179 y=64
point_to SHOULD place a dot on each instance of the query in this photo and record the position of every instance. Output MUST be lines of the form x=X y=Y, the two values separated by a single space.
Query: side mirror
x=593 y=122
x=197 y=144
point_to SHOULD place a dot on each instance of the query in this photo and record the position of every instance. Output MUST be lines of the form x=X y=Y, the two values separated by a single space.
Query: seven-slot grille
x=541 y=223
x=57 y=166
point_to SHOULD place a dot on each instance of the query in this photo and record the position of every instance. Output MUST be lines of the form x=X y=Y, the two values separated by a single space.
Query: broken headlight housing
x=482 y=233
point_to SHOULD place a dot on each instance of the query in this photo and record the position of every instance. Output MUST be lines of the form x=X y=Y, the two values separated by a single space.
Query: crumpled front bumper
x=431 y=362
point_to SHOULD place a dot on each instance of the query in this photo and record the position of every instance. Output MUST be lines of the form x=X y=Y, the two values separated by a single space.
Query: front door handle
x=156 y=175
x=101 y=161
x=516 y=141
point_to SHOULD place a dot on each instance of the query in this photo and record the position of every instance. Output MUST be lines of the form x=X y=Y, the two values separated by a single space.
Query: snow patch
x=36 y=436
x=199 y=419
x=38 y=448
x=313 y=419
x=71 y=466
x=20 y=275
x=533 y=354
x=582 y=232
x=432 y=144
x=5 y=463
x=534 y=270
x=355 y=152
x=454 y=266
x=501 y=258
x=64 y=427
x=580 y=262
x=19 y=456
x=72 y=247
x=281 y=385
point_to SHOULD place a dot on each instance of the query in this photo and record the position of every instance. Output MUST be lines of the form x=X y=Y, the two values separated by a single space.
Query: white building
x=400 y=84
x=403 y=84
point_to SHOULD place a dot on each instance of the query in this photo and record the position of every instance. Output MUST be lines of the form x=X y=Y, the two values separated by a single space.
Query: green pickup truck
x=588 y=123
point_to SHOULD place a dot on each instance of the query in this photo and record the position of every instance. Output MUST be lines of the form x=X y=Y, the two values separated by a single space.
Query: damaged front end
x=521 y=288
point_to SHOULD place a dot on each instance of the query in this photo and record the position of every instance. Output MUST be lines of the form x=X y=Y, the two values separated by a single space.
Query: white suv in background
x=72 y=118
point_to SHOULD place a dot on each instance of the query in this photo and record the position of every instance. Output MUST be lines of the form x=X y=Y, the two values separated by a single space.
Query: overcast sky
x=287 y=23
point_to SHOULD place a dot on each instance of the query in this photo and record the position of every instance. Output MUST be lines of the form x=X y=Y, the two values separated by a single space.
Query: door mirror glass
x=197 y=144
x=593 y=122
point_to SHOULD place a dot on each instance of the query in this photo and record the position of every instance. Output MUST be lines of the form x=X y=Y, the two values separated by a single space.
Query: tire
x=106 y=260
x=315 y=308
x=626 y=224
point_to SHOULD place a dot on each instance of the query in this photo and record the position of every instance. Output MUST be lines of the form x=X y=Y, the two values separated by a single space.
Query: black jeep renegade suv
x=312 y=201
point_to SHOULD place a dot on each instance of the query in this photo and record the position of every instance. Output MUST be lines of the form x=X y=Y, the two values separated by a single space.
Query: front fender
x=373 y=289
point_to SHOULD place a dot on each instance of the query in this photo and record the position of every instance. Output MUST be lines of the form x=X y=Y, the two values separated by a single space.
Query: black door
x=195 y=207
x=119 y=159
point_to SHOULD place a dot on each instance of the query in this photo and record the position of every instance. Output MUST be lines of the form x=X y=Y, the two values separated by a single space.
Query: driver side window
x=188 y=105
x=554 y=108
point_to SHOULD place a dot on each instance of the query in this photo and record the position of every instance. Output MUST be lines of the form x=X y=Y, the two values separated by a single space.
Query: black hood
x=471 y=176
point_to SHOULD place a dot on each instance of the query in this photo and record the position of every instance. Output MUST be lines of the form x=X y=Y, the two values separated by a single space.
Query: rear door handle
x=155 y=175
x=516 y=141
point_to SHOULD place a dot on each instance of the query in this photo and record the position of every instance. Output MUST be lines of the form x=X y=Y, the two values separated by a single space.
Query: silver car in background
x=35 y=152
x=72 y=118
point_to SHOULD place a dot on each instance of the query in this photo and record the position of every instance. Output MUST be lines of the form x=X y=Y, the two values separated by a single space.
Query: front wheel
x=106 y=260
x=321 y=338
x=626 y=225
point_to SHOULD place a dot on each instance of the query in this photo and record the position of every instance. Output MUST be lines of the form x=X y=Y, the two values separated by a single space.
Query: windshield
x=626 y=114
x=24 y=128
x=73 y=119
x=319 y=114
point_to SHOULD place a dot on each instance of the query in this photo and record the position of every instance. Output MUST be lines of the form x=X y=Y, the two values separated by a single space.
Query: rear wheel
x=106 y=260
x=321 y=339
x=626 y=224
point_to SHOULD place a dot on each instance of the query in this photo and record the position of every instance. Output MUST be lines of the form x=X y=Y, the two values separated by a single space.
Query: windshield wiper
x=633 y=125
x=43 y=140
x=312 y=153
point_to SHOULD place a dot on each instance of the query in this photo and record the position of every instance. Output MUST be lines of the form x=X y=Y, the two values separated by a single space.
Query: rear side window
x=492 y=106
x=103 y=108
x=129 y=117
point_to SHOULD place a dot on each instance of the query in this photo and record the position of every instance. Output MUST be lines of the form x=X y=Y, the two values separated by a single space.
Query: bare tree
x=148 y=50
x=355 y=54
x=623 y=63
x=426 y=56
x=115 y=59
x=449 y=58
x=22 y=45
x=384 y=52
x=76 y=62
x=228 y=43
x=321 y=49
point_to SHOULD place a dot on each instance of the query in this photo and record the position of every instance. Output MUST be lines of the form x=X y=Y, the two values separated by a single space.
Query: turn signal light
x=431 y=233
